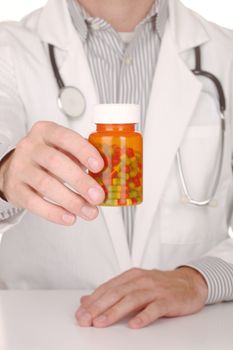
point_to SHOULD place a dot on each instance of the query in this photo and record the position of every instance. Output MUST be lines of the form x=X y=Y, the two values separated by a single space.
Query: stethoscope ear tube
x=55 y=68
x=71 y=100
x=198 y=71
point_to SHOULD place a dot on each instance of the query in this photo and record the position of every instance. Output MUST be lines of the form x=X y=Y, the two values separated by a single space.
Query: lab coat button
x=213 y=203
x=184 y=200
x=128 y=60
x=95 y=26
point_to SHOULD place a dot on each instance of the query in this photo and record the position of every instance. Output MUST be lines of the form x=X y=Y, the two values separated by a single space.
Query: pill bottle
x=121 y=146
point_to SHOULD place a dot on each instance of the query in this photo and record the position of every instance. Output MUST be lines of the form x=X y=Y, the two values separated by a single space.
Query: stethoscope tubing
x=58 y=77
x=63 y=90
x=188 y=199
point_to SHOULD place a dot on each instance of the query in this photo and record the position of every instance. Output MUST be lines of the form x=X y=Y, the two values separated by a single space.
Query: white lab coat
x=183 y=112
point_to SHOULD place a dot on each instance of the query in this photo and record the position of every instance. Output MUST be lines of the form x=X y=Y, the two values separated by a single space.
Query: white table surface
x=44 y=320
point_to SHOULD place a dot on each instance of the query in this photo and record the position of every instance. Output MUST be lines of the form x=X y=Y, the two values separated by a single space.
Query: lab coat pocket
x=184 y=223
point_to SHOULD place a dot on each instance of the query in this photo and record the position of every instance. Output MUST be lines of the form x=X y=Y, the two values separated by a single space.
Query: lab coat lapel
x=174 y=95
x=74 y=69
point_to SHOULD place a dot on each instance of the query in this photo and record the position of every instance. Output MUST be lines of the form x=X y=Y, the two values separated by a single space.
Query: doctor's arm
x=44 y=169
x=12 y=127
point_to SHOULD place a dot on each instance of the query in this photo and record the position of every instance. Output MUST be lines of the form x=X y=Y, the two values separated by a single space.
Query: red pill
x=130 y=152
x=122 y=201
x=137 y=181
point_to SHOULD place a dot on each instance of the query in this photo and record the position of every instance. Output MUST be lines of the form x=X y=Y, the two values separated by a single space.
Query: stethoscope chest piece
x=71 y=102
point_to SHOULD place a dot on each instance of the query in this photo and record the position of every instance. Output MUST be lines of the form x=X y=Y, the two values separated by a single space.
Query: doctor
x=166 y=258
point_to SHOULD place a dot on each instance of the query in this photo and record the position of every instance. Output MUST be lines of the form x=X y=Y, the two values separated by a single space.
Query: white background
x=219 y=11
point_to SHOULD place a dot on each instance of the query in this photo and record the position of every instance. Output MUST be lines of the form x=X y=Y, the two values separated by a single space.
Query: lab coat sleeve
x=217 y=272
x=12 y=122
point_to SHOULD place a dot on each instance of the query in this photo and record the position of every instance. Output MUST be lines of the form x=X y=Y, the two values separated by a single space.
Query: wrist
x=196 y=280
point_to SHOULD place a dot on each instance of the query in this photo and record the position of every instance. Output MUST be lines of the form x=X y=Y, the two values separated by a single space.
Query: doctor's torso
x=183 y=112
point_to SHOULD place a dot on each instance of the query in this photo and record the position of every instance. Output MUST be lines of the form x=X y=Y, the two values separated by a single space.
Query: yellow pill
x=133 y=160
x=115 y=188
x=117 y=167
x=116 y=181
x=114 y=195
x=131 y=185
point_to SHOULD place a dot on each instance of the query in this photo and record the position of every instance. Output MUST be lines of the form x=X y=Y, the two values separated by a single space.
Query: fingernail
x=93 y=163
x=101 y=319
x=88 y=212
x=95 y=194
x=68 y=219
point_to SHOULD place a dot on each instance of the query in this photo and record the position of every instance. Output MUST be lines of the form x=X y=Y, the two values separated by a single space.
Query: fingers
x=106 y=301
x=53 y=190
x=151 y=313
x=71 y=142
x=156 y=293
x=63 y=167
x=33 y=202
x=125 y=277
x=130 y=303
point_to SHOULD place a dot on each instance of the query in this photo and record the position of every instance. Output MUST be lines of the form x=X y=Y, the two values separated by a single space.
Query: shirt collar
x=81 y=19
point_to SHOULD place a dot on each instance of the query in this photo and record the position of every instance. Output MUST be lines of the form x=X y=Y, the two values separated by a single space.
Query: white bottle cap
x=116 y=114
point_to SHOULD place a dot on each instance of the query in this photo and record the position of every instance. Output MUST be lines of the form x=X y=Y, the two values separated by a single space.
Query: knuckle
x=43 y=183
x=133 y=300
x=114 y=293
x=74 y=205
x=115 y=312
x=101 y=289
x=28 y=202
x=53 y=158
x=17 y=167
x=95 y=308
x=23 y=145
x=136 y=271
x=84 y=147
x=10 y=192
x=41 y=126
x=84 y=299
x=145 y=316
x=163 y=307
x=38 y=127
x=52 y=215
x=64 y=136
x=81 y=182
x=146 y=281
x=10 y=184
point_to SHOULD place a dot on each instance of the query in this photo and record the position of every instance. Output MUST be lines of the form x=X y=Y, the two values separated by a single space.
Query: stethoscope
x=71 y=100
x=72 y=103
x=187 y=197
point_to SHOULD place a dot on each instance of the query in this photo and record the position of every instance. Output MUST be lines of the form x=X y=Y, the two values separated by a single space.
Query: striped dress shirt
x=123 y=73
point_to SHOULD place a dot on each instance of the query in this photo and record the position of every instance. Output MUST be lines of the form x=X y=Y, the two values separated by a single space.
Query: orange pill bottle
x=121 y=147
